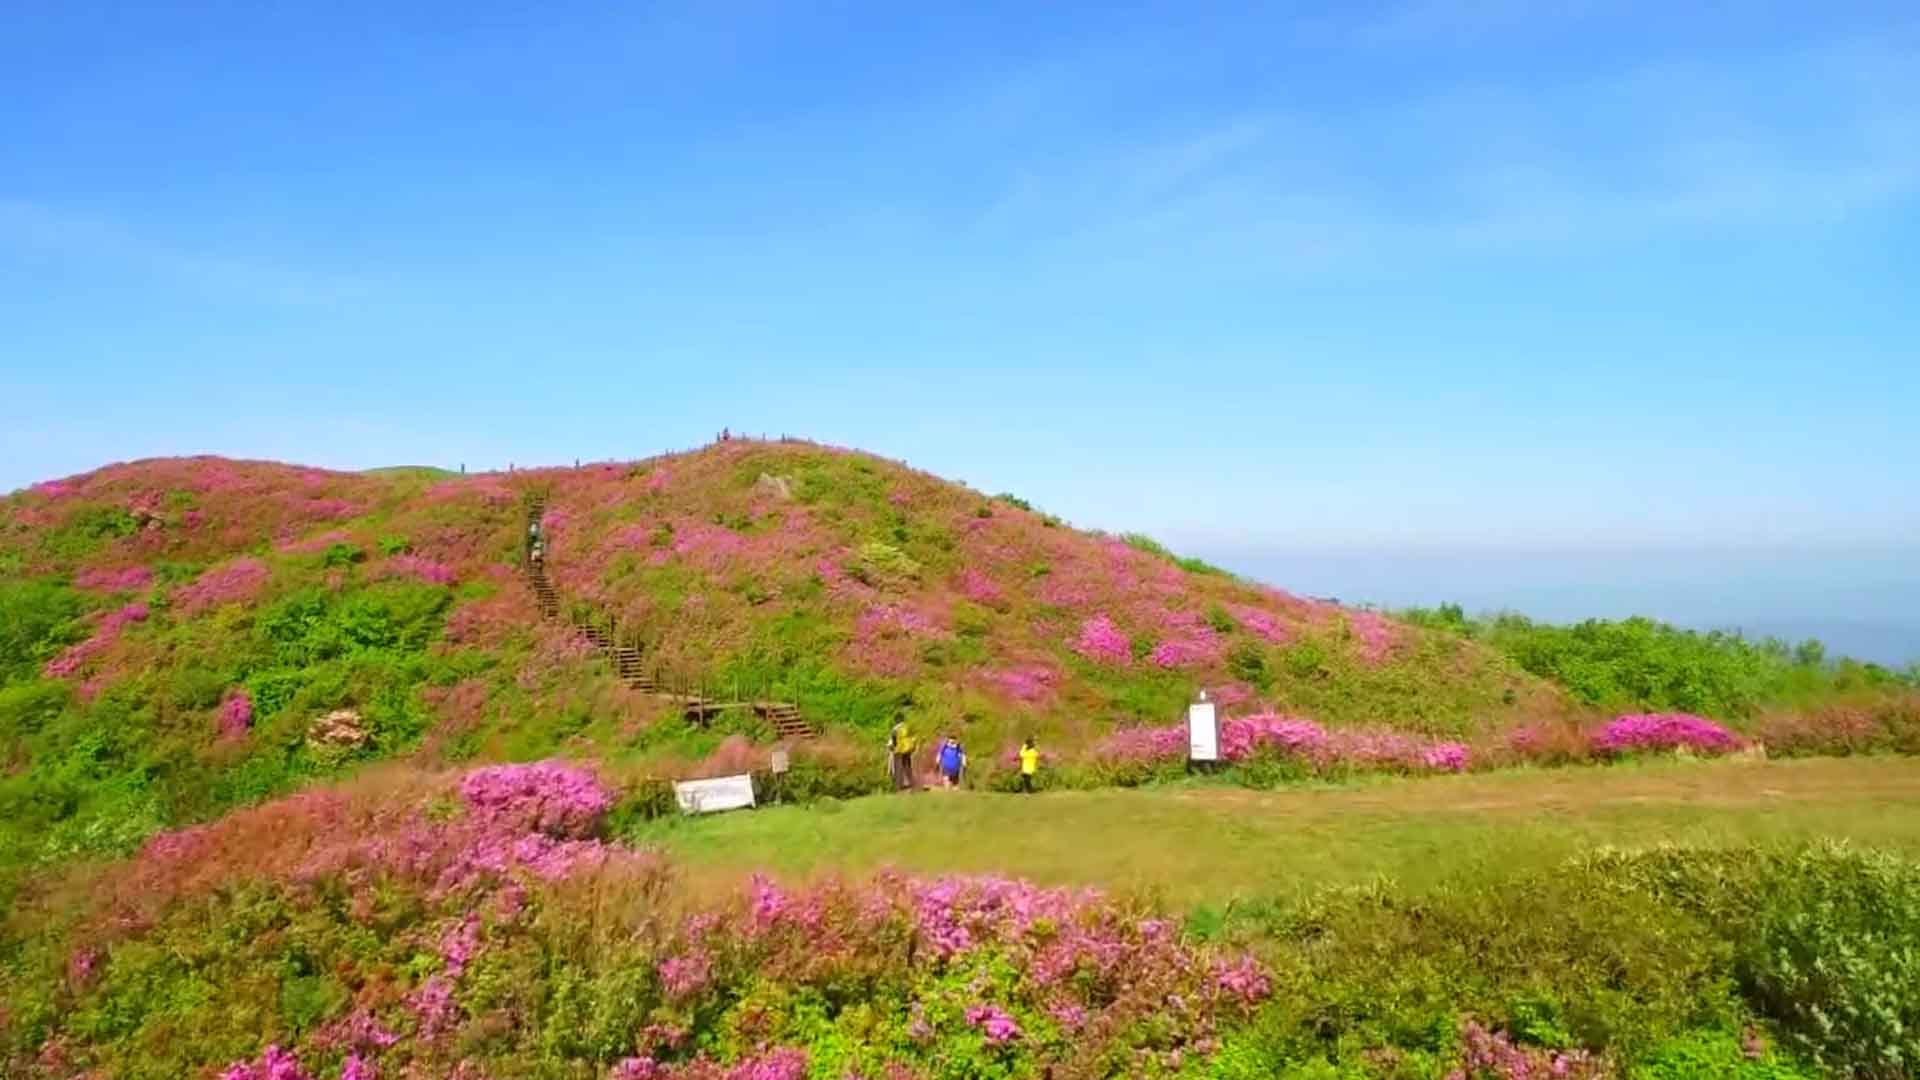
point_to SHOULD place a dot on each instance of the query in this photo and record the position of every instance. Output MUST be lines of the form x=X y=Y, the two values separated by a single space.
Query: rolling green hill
x=178 y=631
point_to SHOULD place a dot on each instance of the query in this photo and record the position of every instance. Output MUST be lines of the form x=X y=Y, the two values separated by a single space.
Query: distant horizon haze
x=1865 y=605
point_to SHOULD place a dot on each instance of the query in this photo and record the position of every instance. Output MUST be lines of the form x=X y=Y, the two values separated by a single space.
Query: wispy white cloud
x=1809 y=137
x=100 y=241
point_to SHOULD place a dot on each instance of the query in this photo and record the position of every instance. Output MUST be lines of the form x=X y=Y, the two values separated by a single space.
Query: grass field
x=1204 y=843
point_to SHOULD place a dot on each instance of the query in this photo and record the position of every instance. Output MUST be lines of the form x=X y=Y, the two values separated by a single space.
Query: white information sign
x=720 y=793
x=1203 y=732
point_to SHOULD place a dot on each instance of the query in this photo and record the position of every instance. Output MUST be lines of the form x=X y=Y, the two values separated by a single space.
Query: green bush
x=1643 y=664
x=1715 y=1055
x=37 y=620
x=1826 y=943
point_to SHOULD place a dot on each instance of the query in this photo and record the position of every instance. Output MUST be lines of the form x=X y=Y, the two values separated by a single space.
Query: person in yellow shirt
x=1029 y=764
x=900 y=755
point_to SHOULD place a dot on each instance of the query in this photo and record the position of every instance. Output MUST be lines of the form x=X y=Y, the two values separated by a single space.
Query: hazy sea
x=1864 y=604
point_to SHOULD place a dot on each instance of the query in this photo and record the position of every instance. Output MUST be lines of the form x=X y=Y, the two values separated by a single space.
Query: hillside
x=185 y=643
x=175 y=630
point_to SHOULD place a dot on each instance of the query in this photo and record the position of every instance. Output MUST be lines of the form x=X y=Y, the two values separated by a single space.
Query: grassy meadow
x=1207 y=843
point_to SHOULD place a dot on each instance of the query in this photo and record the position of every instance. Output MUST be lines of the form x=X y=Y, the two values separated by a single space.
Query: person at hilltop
x=900 y=755
x=1029 y=764
x=953 y=761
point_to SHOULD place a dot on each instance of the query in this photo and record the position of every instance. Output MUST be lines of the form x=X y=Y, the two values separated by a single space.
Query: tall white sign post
x=1203 y=731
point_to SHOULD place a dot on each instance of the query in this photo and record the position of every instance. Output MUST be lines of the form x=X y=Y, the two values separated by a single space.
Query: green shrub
x=1562 y=958
x=37 y=620
x=883 y=565
x=1834 y=957
x=340 y=554
x=1247 y=661
x=1715 y=1055
x=1826 y=943
x=1643 y=664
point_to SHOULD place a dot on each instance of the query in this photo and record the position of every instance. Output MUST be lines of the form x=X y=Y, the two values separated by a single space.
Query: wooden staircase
x=786 y=719
x=543 y=591
x=628 y=663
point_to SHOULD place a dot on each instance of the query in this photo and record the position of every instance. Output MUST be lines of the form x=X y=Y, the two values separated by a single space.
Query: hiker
x=900 y=755
x=538 y=553
x=953 y=761
x=1029 y=765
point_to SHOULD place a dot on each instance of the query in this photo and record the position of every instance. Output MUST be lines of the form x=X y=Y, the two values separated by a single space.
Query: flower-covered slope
x=422 y=925
x=806 y=568
x=825 y=575
x=182 y=636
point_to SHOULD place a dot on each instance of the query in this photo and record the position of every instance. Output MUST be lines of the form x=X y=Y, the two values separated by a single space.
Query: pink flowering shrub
x=237 y=581
x=549 y=797
x=1194 y=649
x=1663 y=731
x=1268 y=626
x=236 y=714
x=1244 y=738
x=897 y=619
x=1446 y=757
x=979 y=588
x=1029 y=683
x=55 y=489
x=1376 y=634
x=1086 y=973
x=419 y=568
x=685 y=975
x=994 y=1023
x=1103 y=643
x=491 y=621
x=709 y=543
x=1143 y=745
x=273 y=1064
x=104 y=634
x=539 y=819
x=1491 y=1055
x=113 y=579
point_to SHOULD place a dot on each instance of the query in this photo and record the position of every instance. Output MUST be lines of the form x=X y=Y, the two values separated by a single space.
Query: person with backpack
x=900 y=754
x=952 y=761
x=1029 y=765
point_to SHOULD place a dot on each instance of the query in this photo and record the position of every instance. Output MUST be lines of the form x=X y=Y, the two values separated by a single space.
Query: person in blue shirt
x=953 y=761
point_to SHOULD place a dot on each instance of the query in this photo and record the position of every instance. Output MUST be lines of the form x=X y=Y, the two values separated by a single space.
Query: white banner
x=720 y=793
x=1203 y=733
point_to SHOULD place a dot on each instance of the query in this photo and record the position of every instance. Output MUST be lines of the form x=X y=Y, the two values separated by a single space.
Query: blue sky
x=1505 y=275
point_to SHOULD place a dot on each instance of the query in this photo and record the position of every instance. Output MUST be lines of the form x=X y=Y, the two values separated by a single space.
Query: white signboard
x=1203 y=732
x=720 y=793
